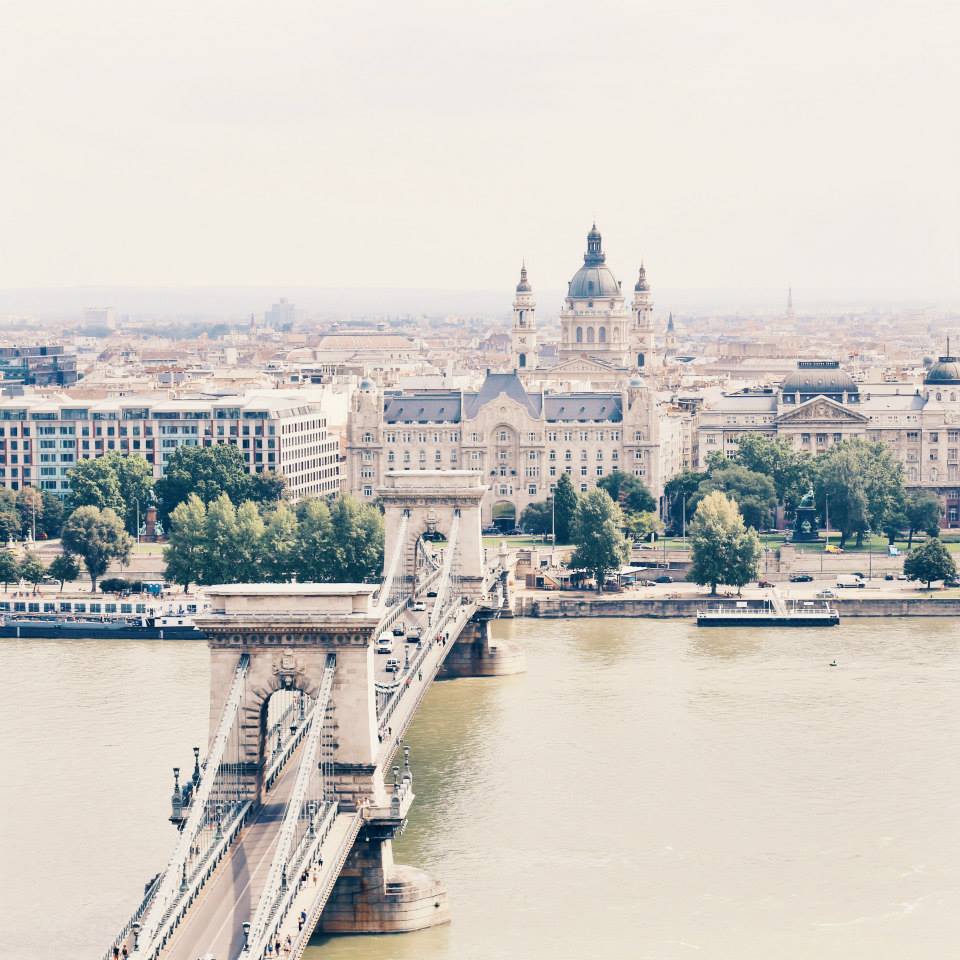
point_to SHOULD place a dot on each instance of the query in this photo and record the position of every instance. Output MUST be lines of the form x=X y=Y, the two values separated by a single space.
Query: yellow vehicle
x=832 y=548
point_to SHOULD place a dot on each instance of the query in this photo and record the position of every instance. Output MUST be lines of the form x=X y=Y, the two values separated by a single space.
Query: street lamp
x=136 y=928
x=137 y=531
x=246 y=936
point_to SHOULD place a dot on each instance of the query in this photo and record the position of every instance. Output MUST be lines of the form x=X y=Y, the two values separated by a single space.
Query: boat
x=126 y=618
x=766 y=613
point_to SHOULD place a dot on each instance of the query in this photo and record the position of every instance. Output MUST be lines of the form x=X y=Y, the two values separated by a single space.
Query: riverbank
x=686 y=607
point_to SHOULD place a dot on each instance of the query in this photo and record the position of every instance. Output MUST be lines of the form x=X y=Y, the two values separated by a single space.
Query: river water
x=645 y=790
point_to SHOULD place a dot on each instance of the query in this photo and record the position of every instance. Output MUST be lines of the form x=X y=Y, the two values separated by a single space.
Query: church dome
x=819 y=377
x=594 y=279
x=945 y=370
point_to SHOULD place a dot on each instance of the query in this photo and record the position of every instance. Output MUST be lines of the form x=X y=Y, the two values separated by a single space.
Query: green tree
x=356 y=542
x=679 y=492
x=279 y=544
x=53 y=513
x=791 y=470
x=922 y=511
x=639 y=526
x=266 y=486
x=136 y=485
x=629 y=491
x=565 y=506
x=864 y=484
x=220 y=540
x=30 y=508
x=313 y=538
x=97 y=537
x=754 y=493
x=724 y=550
x=93 y=483
x=206 y=471
x=600 y=546
x=64 y=567
x=930 y=561
x=9 y=567
x=9 y=525
x=32 y=568
x=537 y=518
x=245 y=554
x=186 y=550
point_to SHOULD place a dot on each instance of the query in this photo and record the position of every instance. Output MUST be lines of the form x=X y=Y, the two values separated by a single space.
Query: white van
x=393 y=665
x=849 y=580
x=385 y=643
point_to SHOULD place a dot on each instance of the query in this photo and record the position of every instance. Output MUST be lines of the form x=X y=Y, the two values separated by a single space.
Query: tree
x=313 y=536
x=279 y=544
x=639 y=526
x=864 y=484
x=220 y=540
x=600 y=546
x=32 y=568
x=922 y=511
x=93 y=483
x=9 y=525
x=52 y=513
x=754 y=493
x=208 y=472
x=97 y=537
x=565 y=506
x=537 y=518
x=629 y=491
x=185 y=553
x=356 y=541
x=9 y=567
x=679 y=492
x=930 y=561
x=64 y=567
x=724 y=550
x=30 y=508
x=135 y=482
x=246 y=553
x=790 y=470
x=266 y=486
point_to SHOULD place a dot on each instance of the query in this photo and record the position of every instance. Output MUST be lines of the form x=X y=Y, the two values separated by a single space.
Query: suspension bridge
x=285 y=824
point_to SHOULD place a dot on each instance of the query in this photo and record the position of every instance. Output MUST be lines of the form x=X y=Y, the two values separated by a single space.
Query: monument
x=805 y=526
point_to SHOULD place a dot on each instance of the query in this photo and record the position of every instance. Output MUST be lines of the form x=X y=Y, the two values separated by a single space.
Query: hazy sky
x=734 y=145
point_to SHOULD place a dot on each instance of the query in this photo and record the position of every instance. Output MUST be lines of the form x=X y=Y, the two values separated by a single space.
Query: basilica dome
x=594 y=280
x=814 y=378
x=945 y=371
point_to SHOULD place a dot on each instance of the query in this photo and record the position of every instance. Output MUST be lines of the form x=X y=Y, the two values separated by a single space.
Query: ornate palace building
x=819 y=405
x=519 y=439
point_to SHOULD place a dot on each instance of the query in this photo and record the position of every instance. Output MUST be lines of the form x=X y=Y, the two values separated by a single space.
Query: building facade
x=42 y=366
x=41 y=439
x=520 y=440
x=819 y=404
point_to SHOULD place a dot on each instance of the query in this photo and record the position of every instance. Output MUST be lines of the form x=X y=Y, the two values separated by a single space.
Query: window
x=934 y=437
x=837 y=437
x=583 y=471
x=599 y=471
x=913 y=436
x=532 y=489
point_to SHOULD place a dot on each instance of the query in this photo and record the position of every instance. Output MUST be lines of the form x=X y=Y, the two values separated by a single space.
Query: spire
x=524 y=285
x=594 y=254
x=642 y=286
x=670 y=328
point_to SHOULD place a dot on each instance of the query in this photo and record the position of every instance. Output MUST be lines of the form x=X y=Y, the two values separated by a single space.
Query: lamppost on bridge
x=246 y=936
x=196 y=767
x=136 y=928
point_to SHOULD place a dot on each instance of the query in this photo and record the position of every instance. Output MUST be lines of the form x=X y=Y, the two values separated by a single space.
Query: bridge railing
x=127 y=928
x=280 y=758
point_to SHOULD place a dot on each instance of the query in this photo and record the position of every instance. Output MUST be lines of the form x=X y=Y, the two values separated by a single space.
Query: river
x=645 y=790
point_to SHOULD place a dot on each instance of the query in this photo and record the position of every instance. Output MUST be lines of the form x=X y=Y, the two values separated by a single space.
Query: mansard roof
x=502 y=384
x=574 y=407
x=432 y=406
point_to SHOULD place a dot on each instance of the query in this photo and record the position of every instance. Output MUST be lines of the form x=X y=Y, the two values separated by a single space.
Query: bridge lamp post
x=196 y=767
x=246 y=936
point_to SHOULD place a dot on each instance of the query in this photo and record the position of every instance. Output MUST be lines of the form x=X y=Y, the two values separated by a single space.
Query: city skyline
x=434 y=148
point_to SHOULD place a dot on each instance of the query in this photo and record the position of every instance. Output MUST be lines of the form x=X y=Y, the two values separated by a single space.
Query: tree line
x=857 y=484
x=314 y=542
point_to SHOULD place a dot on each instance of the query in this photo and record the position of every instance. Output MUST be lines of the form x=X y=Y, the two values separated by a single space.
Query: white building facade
x=42 y=438
x=520 y=440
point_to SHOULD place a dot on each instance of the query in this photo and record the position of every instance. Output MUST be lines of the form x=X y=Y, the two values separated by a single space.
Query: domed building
x=594 y=321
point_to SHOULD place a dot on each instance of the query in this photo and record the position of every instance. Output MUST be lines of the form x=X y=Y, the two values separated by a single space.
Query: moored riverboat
x=743 y=613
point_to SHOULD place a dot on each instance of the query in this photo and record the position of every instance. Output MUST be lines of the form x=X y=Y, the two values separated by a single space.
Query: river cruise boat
x=769 y=613
x=124 y=618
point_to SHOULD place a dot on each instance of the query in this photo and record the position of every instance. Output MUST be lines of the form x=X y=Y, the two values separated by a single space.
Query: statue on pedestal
x=805 y=526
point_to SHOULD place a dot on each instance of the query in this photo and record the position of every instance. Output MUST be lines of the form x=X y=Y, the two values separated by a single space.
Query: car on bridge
x=398 y=630
x=385 y=643
x=392 y=665
x=419 y=607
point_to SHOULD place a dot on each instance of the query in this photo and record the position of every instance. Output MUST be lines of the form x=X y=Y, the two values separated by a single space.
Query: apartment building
x=41 y=438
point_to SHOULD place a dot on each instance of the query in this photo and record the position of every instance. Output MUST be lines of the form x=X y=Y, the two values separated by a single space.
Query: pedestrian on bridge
x=303 y=919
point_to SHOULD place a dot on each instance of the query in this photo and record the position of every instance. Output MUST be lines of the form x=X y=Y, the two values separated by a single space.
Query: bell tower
x=523 y=334
x=641 y=333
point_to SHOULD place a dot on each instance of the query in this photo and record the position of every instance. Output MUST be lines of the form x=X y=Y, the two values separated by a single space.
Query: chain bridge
x=285 y=823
